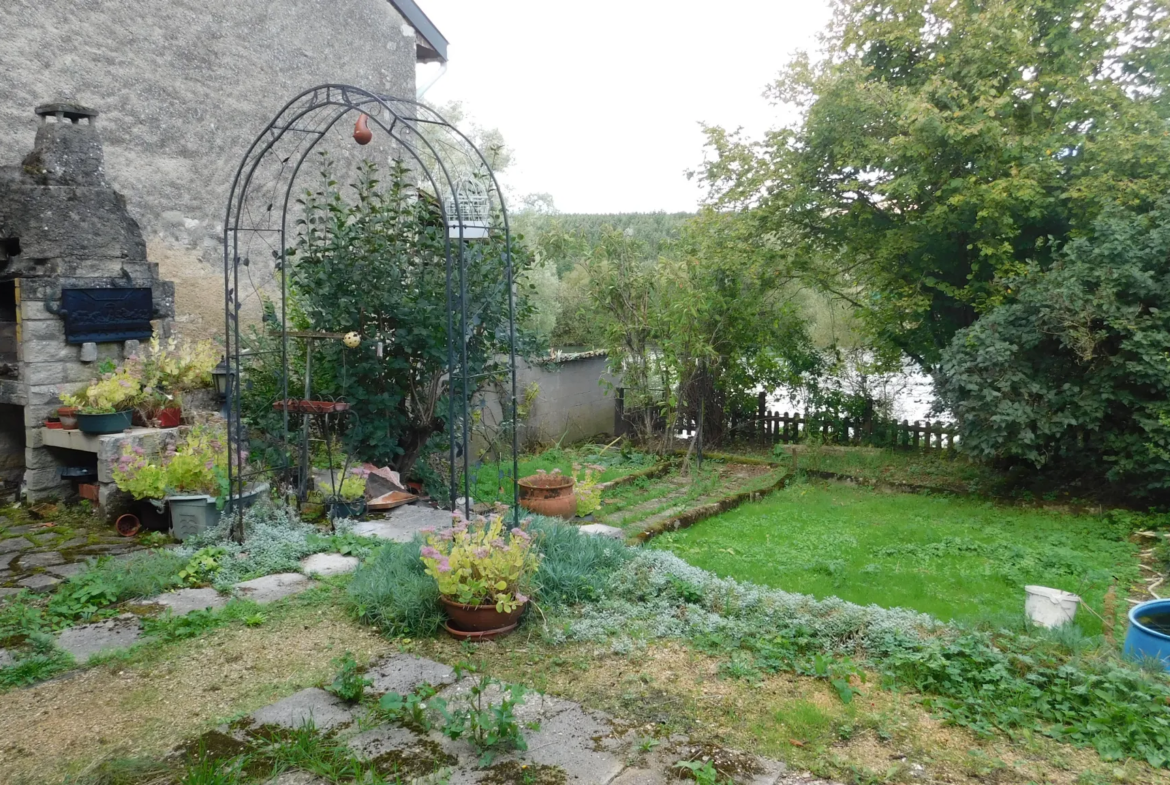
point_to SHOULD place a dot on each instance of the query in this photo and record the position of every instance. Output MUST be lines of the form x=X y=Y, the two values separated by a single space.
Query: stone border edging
x=650 y=473
x=691 y=517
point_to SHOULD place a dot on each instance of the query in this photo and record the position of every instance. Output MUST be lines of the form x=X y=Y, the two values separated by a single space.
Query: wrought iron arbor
x=257 y=228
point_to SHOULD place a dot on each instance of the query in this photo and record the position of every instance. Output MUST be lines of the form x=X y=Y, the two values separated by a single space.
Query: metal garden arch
x=256 y=239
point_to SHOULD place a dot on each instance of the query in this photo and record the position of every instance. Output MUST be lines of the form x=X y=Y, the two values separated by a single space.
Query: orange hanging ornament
x=361 y=131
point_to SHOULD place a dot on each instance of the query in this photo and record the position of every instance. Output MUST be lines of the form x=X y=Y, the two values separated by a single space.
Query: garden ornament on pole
x=262 y=216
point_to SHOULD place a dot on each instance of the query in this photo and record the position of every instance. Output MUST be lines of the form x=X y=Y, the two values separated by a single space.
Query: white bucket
x=1050 y=607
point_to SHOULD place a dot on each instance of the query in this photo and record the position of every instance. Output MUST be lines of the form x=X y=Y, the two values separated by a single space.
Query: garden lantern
x=473 y=212
x=219 y=375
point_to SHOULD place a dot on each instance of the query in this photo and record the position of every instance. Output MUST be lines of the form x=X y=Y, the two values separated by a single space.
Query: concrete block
x=89 y=639
x=88 y=352
x=271 y=588
x=313 y=705
x=326 y=564
x=402 y=673
x=185 y=601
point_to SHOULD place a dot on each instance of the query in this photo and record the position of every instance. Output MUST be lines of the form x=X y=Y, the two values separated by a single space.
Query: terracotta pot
x=479 y=618
x=53 y=425
x=128 y=525
x=549 y=494
x=170 y=418
x=68 y=417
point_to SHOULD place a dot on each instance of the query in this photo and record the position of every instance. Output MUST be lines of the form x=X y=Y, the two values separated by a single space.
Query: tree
x=944 y=147
x=372 y=261
x=1073 y=374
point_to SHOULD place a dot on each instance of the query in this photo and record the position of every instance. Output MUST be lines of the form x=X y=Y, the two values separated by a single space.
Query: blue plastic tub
x=1142 y=641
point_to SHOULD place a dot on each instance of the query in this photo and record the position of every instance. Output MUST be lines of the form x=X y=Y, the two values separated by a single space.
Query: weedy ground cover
x=954 y=558
x=490 y=480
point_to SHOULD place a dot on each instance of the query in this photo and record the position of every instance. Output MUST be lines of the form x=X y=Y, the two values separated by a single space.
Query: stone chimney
x=68 y=150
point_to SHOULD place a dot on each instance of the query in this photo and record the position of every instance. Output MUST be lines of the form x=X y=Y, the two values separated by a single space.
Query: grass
x=956 y=559
x=490 y=479
x=142 y=703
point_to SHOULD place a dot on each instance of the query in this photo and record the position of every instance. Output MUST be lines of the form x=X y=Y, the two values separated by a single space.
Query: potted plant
x=106 y=405
x=168 y=369
x=549 y=493
x=190 y=475
x=68 y=417
x=350 y=499
x=482 y=571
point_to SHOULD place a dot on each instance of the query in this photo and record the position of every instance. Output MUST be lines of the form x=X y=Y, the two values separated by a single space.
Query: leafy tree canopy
x=1074 y=373
x=944 y=147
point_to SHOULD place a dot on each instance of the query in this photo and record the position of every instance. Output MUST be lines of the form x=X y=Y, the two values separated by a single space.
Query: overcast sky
x=601 y=101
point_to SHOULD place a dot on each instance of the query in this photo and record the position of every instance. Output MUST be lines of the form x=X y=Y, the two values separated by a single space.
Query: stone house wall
x=183 y=87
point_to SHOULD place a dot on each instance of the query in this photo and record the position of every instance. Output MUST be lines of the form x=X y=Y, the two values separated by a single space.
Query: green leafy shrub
x=348 y=683
x=275 y=541
x=195 y=464
x=491 y=727
x=393 y=592
x=1072 y=373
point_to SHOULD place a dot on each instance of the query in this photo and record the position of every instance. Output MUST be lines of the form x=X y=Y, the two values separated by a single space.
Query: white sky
x=601 y=101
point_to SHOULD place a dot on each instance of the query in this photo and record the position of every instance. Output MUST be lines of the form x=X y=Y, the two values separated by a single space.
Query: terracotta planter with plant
x=68 y=417
x=549 y=494
x=482 y=571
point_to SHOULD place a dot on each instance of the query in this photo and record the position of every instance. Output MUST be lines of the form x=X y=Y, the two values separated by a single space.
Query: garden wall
x=183 y=88
x=567 y=402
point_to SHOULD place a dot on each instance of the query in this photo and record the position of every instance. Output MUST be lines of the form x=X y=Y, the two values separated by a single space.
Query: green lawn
x=953 y=558
x=490 y=480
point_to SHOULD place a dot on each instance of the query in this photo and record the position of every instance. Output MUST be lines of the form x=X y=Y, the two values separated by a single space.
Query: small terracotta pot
x=549 y=494
x=68 y=417
x=479 y=618
x=170 y=418
x=128 y=525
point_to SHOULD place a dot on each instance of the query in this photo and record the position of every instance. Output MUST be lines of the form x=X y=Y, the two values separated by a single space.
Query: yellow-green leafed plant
x=196 y=464
x=588 y=490
x=173 y=365
x=352 y=488
x=480 y=562
x=114 y=391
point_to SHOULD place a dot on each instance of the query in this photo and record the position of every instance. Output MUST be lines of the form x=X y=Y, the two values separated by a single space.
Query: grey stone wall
x=183 y=87
x=571 y=405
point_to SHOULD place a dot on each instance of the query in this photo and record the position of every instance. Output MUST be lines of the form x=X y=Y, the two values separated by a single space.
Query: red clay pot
x=170 y=418
x=128 y=525
x=479 y=618
x=68 y=417
x=549 y=494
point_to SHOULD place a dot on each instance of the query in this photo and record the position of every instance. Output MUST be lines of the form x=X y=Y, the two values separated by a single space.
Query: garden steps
x=566 y=741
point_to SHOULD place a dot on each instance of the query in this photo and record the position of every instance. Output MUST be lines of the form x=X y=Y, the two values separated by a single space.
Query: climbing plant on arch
x=309 y=262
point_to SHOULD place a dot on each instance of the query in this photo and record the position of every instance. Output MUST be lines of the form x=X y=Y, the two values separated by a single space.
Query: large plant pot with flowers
x=190 y=474
x=482 y=570
x=549 y=494
x=107 y=404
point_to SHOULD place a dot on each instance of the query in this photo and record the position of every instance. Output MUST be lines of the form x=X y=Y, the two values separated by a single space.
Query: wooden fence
x=767 y=427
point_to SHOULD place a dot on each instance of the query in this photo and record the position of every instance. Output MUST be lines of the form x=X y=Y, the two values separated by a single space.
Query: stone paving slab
x=326 y=564
x=14 y=544
x=271 y=588
x=38 y=583
x=184 y=601
x=66 y=570
x=403 y=523
x=40 y=559
x=602 y=530
x=325 y=711
x=403 y=673
x=89 y=639
x=6 y=558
